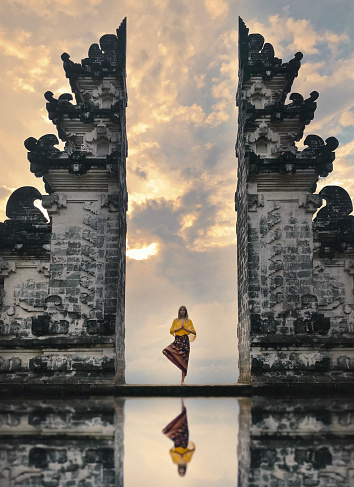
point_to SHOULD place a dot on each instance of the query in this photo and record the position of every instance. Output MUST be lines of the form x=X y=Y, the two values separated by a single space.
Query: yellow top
x=181 y=455
x=188 y=325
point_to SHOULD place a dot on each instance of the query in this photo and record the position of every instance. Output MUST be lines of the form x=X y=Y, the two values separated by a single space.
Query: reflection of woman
x=183 y=330
x=178 y=432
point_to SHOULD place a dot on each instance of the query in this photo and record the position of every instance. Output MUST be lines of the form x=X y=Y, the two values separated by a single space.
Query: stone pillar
x=119 y=441
x=59 y=442
x=287 y=329
x=244 y=323
x=79 y=327
x=244 y=441
x=301 y=442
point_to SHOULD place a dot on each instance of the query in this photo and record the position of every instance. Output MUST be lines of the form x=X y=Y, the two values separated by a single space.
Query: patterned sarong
x=177 y=430
x=178 y=352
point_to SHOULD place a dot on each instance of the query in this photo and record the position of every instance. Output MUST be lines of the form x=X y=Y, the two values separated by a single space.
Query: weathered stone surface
x=334 y=225
x=298 y=442
x=295 y=276
x=62 y=283
x=53 y=443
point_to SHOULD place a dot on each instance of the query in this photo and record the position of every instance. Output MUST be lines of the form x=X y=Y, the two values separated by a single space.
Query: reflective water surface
x=110 y=441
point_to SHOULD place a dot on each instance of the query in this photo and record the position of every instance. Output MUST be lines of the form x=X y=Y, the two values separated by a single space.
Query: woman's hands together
x=186 y=329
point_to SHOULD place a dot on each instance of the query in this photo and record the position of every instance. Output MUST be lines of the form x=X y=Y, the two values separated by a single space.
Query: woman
x=183 y=449
x=178 y=352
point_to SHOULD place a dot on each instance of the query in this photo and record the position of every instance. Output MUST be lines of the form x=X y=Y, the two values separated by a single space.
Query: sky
x=181 y=125
x=213 y=428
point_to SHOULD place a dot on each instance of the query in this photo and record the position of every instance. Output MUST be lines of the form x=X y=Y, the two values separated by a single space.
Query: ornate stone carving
x=54 y=202
x=27 y=231
x=294 y=275
x=68 y=288
x=258 y=95
x=322 y=153
x=255 y=201
x=257 y=58
x=106 y=59
x=311 y=202
x=263 y=140
x=42 y=153
x=333 y=225
x=105 y=96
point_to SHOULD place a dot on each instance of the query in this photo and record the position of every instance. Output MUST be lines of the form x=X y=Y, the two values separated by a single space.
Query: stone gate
x=295 y=273
x=63 y=281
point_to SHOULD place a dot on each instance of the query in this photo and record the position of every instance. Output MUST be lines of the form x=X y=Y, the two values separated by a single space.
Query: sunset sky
x=213 y=427
x=182 y=125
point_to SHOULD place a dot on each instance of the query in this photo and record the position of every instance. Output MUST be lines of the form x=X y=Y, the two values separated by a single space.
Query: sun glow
x=188 y=220
x=144 y=252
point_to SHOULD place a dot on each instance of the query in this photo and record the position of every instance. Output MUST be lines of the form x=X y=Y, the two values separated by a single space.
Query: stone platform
x=108 y=388
x=188 y=390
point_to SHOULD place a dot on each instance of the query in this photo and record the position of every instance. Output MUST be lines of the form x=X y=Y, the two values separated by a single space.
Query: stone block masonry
x=296 y=442
x=63 y=281
x=47 y=442
x=295 y=275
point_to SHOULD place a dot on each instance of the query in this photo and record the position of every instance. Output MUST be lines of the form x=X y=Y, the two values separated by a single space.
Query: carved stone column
x=287 y=329
x=76 y=332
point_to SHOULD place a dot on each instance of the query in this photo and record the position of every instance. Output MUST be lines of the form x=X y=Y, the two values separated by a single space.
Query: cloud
x=139 y=172
x=13 y=49
x=197 y=216
x=345 y=150
x=216 y=8
x=32 y=61
x=199 y=80
x=347 y=118
x=291 y=35
x=335 y=74
x=43 y=8
x=5 y=193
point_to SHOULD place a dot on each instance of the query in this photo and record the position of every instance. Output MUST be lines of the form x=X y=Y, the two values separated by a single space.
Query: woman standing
x=183 y=449
x=178 y=352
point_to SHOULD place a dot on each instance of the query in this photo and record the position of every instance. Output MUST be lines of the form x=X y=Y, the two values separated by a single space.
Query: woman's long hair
x=182 y=470
x=179 y=313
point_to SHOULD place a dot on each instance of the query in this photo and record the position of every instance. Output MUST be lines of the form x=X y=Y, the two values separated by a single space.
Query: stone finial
x=333 y=225
x=20 y=205
x=257 y=58
x=105 y=59
x=27 y=232
x=42 y=153
x=322 y=153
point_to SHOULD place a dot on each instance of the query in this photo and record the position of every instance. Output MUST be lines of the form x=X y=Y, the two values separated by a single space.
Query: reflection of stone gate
x=46 y=442
x=71 y=442
x=295 y=276
x=302 y=442
x=63 y=282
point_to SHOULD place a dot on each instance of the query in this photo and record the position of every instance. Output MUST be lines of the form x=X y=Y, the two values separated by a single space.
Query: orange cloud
x=216 y=8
